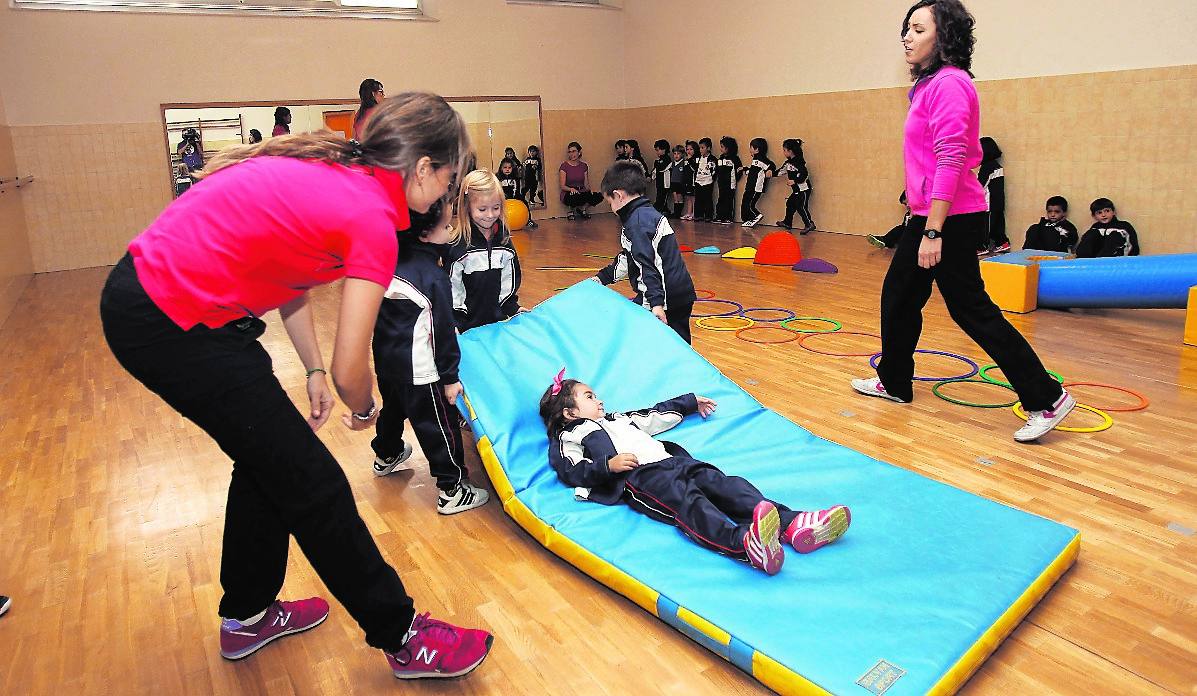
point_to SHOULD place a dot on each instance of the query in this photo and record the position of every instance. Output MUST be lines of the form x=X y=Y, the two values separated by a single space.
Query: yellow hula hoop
x=701 y=323
x=1107 y=419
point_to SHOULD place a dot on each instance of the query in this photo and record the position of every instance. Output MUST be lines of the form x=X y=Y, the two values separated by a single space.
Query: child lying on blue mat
x=612 y=457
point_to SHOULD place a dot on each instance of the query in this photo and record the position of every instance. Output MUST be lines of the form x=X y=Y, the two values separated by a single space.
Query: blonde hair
x=400 y=131
x=478 y=183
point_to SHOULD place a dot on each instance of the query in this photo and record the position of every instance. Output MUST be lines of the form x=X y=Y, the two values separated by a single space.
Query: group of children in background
x=523 y=181
x=1108 y=236
x=452 y=278
x=688 y=176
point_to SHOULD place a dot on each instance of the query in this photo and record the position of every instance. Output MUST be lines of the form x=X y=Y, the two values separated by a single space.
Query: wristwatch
x=931 y=233
x=368 y=414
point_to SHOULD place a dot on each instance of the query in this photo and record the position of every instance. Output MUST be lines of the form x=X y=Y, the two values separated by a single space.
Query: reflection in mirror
x=196 y=132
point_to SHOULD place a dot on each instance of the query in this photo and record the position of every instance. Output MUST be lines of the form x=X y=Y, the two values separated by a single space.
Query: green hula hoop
x=836 y=325
x=983 y=373
x=961 y=402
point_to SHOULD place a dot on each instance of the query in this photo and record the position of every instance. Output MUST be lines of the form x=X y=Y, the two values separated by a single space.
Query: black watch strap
x=932 y=233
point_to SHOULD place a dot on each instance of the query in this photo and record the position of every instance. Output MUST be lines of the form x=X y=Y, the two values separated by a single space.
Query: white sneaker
x=1040 y=422
x=386 y=465
x=872 y=386
x=465 y=497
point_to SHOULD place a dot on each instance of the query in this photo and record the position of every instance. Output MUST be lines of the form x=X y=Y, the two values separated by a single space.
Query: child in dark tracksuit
x=661 y=177
x=1108 y=236
x=993 y=177
x=484 y=270
x=1053 y=232
x=757 y=171
x=681 y=179
x=798 y=176
x=890 y=239
x=512 y=183
x=704 y=182
x=533 y=176
x=416 y=358
x=727 y=170
x=650 y=257
x=612 y=458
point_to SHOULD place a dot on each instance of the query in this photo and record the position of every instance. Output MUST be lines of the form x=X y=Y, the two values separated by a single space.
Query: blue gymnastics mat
x=911 y=600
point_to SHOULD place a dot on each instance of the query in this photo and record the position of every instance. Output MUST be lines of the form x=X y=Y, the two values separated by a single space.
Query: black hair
x=421 y=225
x=954 y=38
x=505 y=155
x=574 y=143
x=693 y=144
x=635 y=153
x=552 y=406
x=679 y=148
x=707 y=142
x=761 y=145
x=661 y=144
x=989 y=149
x=626 y=176
x=535 y=150
x=280 y=115
x=1059 y=201
x=365 y=93
x=255 y=136
x=733 y=148
x=902 y=198
x=794 y=145
x=1101 y=203
x=621 y=143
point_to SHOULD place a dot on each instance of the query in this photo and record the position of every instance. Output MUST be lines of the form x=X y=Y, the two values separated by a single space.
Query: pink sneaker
x=762 y=541
x=437 y=649
x=238 y=640
x=813 y=530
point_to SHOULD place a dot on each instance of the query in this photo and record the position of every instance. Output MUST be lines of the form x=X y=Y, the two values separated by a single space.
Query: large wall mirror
x=196 y=132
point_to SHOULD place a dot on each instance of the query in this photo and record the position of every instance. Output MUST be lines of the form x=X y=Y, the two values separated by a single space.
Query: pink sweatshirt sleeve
x=951 y=108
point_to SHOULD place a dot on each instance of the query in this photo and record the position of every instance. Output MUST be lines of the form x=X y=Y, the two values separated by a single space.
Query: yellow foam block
x=1191 y=318
x=741 y=253
x=1013 y=287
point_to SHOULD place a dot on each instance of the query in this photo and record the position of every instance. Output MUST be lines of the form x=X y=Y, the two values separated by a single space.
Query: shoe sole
x=382 y=469
x=4 y=607
x=876 y=243
x=813 y=538
x=768 y=530
x=447 y=675
x=466 y=508
x=887 y=397
x=1051 y=425
x=254 y=648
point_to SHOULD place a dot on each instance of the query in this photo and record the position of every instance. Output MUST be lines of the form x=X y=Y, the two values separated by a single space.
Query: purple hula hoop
x=877 y=356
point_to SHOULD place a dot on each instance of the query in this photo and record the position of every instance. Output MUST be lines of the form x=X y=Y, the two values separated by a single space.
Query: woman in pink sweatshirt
x=949 y=217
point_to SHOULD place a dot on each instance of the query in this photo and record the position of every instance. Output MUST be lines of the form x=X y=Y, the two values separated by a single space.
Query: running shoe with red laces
x=762 y=541
x=435 y=649
x=818 y=528
x=238 y=640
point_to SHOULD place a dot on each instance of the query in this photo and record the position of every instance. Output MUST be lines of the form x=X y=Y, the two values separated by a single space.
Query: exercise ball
x=516 y=214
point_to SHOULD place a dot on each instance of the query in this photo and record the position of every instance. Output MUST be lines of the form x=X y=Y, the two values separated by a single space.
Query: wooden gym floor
x=112 y=505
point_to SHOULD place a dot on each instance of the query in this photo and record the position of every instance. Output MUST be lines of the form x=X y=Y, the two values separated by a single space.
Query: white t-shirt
x=628 y=439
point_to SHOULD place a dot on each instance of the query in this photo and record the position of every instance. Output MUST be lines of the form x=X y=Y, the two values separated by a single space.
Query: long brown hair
x=401 y=130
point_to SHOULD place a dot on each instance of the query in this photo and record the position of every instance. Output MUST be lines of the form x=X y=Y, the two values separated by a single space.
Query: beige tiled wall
x=16 y=266
x=1128 y=135
x=98 y=185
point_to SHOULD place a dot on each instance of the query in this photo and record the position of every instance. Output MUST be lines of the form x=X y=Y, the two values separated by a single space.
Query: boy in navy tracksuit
x=416 y=358
x=612 y=457
x=1108 y=236
x=650 y=257
x=758 y=170
x=1053 y=232
x=681 y=179
x=798 y=176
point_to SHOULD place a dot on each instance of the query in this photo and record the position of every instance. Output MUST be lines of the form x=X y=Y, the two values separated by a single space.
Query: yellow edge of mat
x=782 y=679
x=703 y=626
x=972 y=659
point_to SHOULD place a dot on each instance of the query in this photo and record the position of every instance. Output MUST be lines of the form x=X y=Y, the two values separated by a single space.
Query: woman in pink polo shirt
x=949 y=219
x=182 y=313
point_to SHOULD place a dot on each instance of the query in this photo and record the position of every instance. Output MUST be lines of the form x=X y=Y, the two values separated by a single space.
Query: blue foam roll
x=1126 y=281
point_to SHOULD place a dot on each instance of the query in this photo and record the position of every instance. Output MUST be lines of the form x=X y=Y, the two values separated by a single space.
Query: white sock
x=253 y=619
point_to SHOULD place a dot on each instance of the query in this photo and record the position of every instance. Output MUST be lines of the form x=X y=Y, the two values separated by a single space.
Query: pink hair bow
x=557 y=382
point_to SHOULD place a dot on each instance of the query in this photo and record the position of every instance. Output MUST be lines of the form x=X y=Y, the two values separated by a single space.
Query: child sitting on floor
x=612 y=458
x=1053 y=232
x=1108 y=236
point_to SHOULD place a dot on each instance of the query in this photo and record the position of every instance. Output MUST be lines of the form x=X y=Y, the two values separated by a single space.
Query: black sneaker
x=532 y=225
x=784 y=225
x=585 y=215
x=5 y=603
x=387 y=465
x=808 y=229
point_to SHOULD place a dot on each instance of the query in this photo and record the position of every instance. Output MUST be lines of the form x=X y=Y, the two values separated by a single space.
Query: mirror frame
x=322 y=102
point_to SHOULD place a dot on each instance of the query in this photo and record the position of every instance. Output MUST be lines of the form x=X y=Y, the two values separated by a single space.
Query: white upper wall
x=108 y=67
x=681 y=51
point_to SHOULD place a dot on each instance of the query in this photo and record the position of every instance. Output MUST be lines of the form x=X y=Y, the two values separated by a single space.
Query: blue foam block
x=1124 y=281
x=926 y=573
